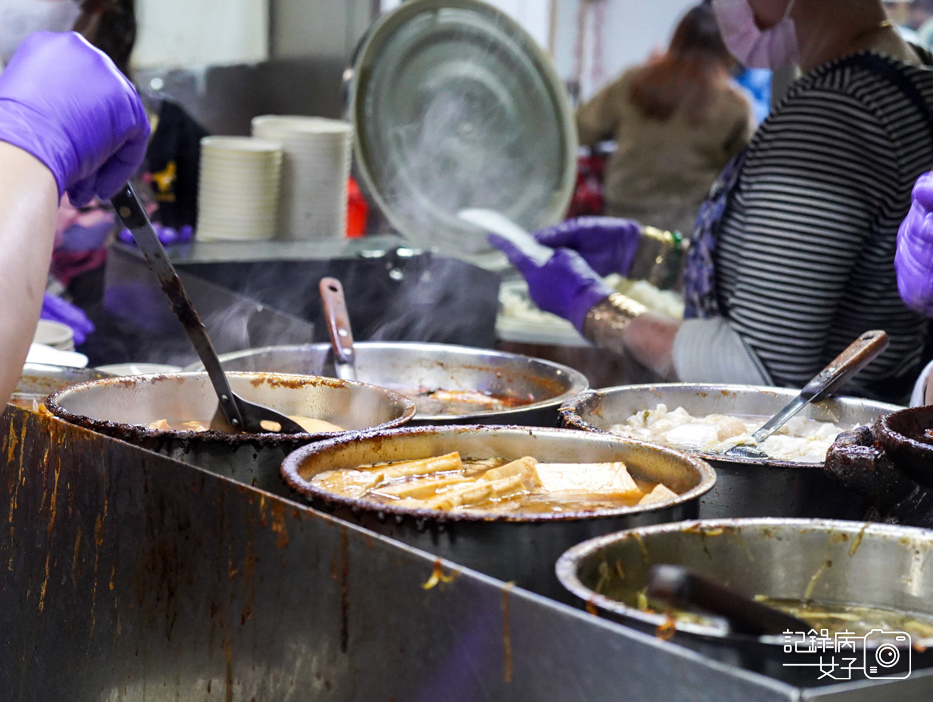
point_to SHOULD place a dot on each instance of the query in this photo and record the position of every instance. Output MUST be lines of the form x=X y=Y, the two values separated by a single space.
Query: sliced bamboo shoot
x=421 y=466
x=420 y=489
x=351 y=483
x=524 y=466
x=476 y=494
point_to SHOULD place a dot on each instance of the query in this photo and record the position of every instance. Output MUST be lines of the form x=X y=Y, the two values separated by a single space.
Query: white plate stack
x=315 y=170
x=238 y=192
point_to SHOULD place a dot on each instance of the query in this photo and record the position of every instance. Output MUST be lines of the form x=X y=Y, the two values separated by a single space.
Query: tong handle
x=338 y=319
x=856 y=356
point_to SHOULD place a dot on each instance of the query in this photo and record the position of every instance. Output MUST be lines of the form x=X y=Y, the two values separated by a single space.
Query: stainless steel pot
x=517 y=549
x=410 y=367
x=123 y=407
x=745 y=487
x=876 y=565
x=39 y=380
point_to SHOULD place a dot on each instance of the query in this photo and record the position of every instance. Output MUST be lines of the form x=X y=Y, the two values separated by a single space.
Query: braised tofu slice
x=659 y=494
x=604 y=478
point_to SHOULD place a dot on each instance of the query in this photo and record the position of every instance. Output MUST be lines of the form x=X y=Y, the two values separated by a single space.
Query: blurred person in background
x=792 y=256
x=69 y=122
x=676 y=120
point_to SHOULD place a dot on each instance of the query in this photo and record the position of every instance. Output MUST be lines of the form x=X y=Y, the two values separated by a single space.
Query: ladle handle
x=857 y=355
x=338 y=322
x=132 y=213
x=680 y=587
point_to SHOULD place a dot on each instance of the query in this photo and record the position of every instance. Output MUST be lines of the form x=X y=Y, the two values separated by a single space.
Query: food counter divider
x=130 y=574
x=745 y=487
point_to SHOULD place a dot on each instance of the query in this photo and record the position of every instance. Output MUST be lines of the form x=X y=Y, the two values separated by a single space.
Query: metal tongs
x=233 y=412
x=680 y=587
x=857 y=355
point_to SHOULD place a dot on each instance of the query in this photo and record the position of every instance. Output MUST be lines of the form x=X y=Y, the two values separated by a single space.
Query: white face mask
x=20 y=18
x=756 y=48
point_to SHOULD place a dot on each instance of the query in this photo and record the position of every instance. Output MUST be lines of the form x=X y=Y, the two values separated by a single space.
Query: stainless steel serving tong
x=857 y=355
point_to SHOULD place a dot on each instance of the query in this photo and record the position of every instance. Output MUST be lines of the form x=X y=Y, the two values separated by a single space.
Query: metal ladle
x=857 y=355
x=233 y=412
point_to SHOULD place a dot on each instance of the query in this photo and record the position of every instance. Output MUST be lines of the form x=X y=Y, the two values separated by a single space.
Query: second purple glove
x=914 y=257
x=607 y=244
x=565 y=285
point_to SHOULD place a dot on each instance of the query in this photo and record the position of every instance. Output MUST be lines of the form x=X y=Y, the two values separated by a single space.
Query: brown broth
x=529 y=497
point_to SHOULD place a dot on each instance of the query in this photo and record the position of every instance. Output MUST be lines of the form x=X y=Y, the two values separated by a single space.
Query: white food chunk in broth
x=801 y=440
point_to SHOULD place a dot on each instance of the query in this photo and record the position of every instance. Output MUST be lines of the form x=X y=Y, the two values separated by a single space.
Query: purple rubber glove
x=565 y=285
x=64 y=102
x=608 y=244
x=914 y=257
x=59 y=310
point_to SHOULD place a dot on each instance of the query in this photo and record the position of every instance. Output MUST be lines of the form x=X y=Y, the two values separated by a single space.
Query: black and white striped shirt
x=805 y=258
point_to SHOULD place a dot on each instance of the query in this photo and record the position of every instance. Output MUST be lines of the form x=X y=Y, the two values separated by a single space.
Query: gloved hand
x=64 y=102
x=565 y=285
x=59 y=310
x=167 y=235
x=914 y=258
x=608 y=244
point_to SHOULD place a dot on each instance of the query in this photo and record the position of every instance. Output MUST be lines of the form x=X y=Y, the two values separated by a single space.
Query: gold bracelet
x=658 y=257
x=606 y=321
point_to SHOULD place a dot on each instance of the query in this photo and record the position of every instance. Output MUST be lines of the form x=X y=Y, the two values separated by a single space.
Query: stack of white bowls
x=238 y=192
x=315 y=170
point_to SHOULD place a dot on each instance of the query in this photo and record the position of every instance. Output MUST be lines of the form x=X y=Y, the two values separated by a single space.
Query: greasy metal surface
x=130 y=576
x=877 y=565
x=406 y=366
x=518 y=549
x=746 y=487
x=122 y=407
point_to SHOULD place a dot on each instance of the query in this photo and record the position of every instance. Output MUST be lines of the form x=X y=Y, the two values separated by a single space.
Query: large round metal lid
x=455 y=106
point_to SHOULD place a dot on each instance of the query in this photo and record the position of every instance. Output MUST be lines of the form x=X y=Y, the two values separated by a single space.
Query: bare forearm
x=28 y=203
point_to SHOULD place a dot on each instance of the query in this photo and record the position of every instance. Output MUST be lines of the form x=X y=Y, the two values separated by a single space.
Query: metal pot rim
x=570 y=416
x=140 y=432
x=566 y=566
x=578 y=381
x=292 y=463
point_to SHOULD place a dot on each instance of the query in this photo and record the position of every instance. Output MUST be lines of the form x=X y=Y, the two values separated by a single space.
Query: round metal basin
x=123 y=407
x=746 y=487
x=413 y=367
x=851 y=563
x=521 y=549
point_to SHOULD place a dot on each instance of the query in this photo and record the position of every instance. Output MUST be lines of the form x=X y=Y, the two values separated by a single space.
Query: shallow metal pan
x=123 y=407
x=409 y=366
x=517 y=549
x=746 y=487
x=827 y=561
